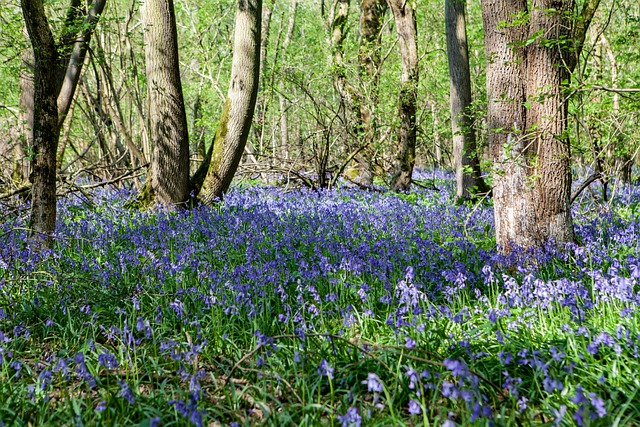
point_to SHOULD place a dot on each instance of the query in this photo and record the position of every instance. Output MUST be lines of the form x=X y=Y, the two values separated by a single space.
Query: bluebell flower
x=374 y=385
x=351 y=419
x=325 y=369
x=414 y=407
x=126 y=392
x=457 y=367
x=101 y=406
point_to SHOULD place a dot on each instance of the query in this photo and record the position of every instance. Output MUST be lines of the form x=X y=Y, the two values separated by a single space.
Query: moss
x=146 y=197
x=211 y=185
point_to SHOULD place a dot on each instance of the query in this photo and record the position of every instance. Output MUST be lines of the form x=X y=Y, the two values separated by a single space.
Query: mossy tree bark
x=405 y=19
x=237 y=114
x=45 y=131
x=168 y=178
x=46 y=99
x=369 y=69
x=469 y=180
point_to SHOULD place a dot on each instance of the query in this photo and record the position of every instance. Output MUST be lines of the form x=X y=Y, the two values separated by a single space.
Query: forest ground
x=291 y=307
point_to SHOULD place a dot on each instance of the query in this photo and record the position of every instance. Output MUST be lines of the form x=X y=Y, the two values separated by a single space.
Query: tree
x=468 y=175
x=404 y=16
x=237 y=113
x=529 y=60
x=56 y=74
x=369 y=70
x=168 y=178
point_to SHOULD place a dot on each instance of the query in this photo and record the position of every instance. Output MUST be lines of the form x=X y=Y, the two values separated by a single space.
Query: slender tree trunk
x=168 y=181
x=25 y=115
x=263 y=100
x=284 y=114
x=237 y=114
x=368 y=67
x=405 y=20
x=45 y=130
x=468 y=175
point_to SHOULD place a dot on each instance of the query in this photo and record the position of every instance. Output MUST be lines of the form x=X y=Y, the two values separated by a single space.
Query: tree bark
x=45 y=130
x=528 y=67
x=549 y=152
x=468 y=175
x=506 y=71
x=237 y=114
x=405 y=20
x=284 y=114
x=25 y=115
x=368 y=67
x=168 y=180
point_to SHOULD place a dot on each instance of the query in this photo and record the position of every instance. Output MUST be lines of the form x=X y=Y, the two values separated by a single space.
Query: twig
x=25 y=188
x=591 y=178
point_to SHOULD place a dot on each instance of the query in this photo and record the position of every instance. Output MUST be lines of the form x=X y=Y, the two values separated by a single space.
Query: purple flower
x=44 y=378
x=599 y=406
x=457 y=367
x=101 y=406
x=126 y=392
x=351 y=419
x=414 y=407
x=82 y=371
x=374 y=385
x=449 y=390
x=108 y=360
x=559 y=415
x=325 y=369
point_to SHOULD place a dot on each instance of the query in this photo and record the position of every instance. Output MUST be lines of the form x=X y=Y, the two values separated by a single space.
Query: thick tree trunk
x=547 y=77
x=468 y=176
x=368 y=67
x=506 y=72
x=405 y=20
x=168 y=181
x=45 y=130
x=237 y=114
x=527 y=120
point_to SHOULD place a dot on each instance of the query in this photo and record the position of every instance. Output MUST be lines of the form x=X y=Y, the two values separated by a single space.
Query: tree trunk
x=549 y=154
x=405 y=20
x=237 y=114
x=506 y=71
x=169 y=173
x=527 y=117
x=284 y=114
x=45 y=130
x=21 y=159
x=468 y=175
x=368 y=67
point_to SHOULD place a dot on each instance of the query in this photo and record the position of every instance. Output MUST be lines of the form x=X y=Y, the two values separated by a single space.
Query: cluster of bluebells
x=310 y=259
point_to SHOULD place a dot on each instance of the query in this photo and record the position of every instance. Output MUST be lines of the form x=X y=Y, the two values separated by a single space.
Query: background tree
x=369 y=62
x=237 y=114
x=406 y=28
x=469 y=179
x=56 y=74
x=168 y=179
